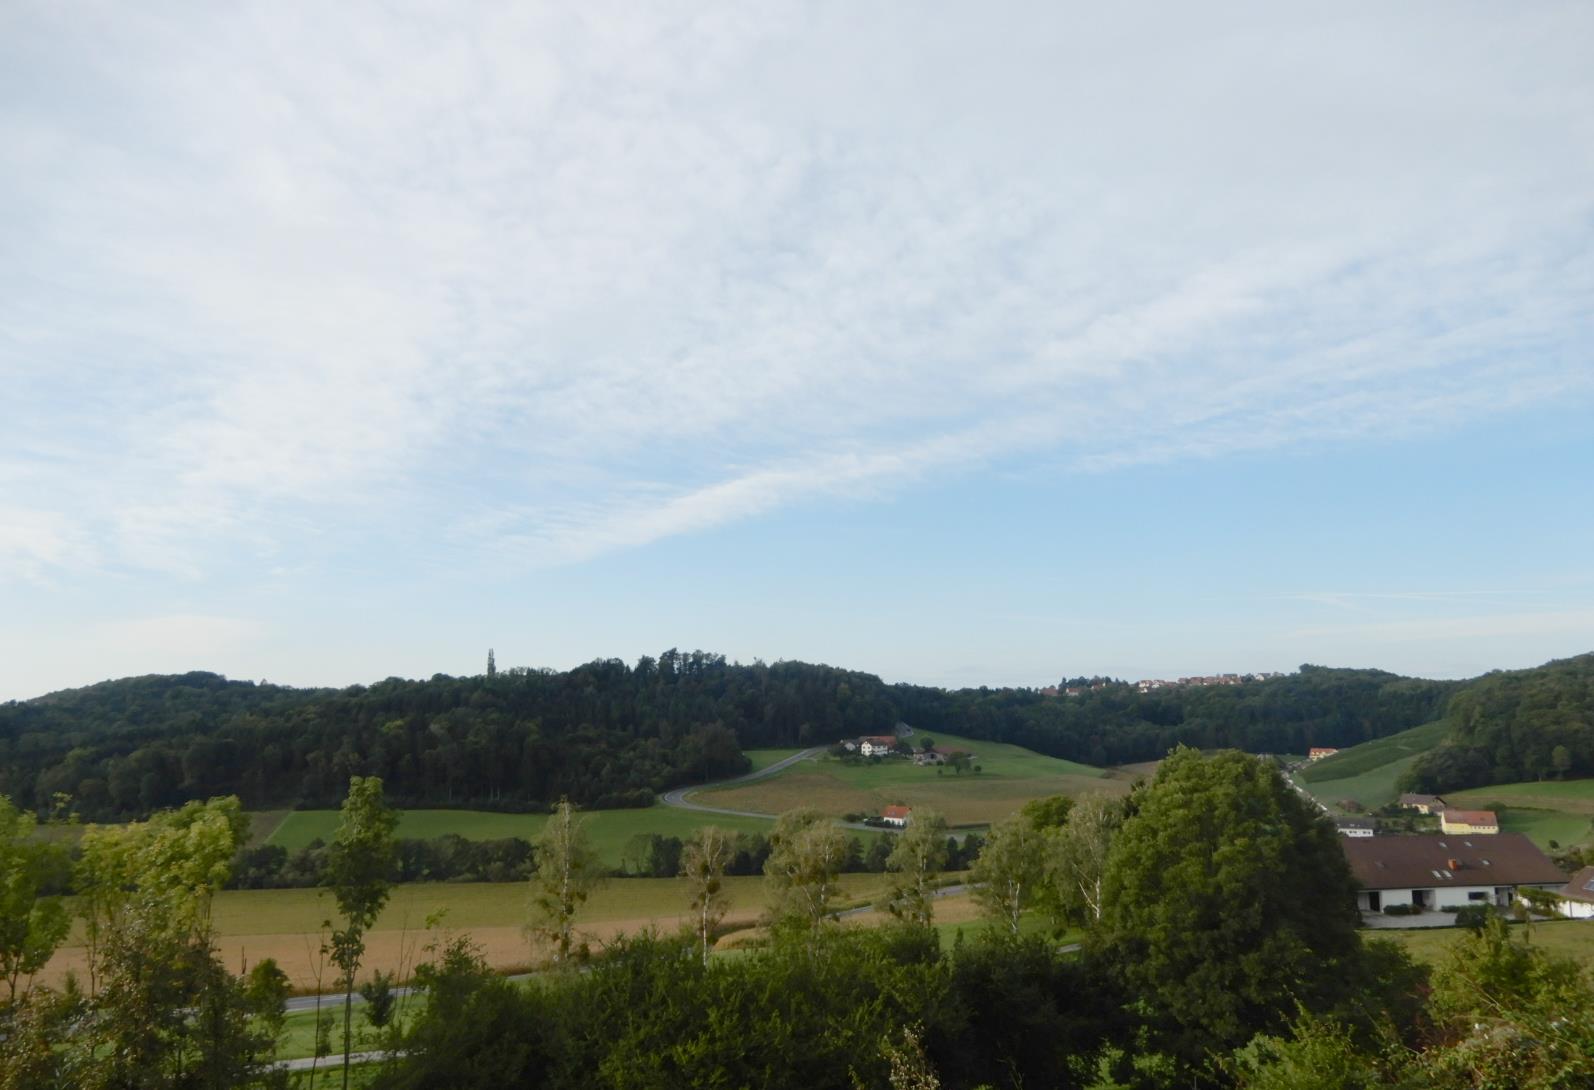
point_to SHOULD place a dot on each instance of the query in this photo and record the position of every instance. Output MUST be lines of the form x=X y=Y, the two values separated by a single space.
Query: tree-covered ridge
x=611 y=734
x=1515 y=725
x=1117 y=724
x=604 y=734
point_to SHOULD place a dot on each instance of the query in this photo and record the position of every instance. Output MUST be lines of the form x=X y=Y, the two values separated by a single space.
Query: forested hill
x=603 y=734
x=612 y=734
x=1516 y=725
x=1117 y=724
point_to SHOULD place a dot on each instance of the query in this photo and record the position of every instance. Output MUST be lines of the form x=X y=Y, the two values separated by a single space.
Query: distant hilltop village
x=1146 y=685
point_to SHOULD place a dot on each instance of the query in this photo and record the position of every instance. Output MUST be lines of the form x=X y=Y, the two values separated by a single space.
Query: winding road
x=678 y=797
x=681 y=797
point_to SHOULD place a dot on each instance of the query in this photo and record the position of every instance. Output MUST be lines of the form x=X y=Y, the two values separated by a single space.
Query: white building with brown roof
x=1437 y=872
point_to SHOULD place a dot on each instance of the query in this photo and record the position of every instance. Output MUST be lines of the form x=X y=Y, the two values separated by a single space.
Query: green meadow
x=1568 y=938
x=1369 y=774
x=1008 y=777
x=1558 y=810
x=609 y=830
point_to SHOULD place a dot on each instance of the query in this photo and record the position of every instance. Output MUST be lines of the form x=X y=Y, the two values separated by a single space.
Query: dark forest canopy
x=1515 y=725
x=611 y=734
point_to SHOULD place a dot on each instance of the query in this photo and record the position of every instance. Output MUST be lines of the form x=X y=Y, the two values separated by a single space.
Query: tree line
x=610 y=734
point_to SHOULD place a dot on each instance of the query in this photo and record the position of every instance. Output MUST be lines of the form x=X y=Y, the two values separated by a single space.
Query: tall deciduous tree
x=806 y=853
x=360 y=860
x=32 y=924
x=703 y=862
x=1226 y=902
x=917 y=858
x=1008 y=873
x=1076 y=856
x=567 y=870
x=167 y=1013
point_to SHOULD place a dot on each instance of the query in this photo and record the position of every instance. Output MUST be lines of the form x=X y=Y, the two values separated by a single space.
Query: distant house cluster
x=1151 y=684
x=1317 y=753
x=871 y=745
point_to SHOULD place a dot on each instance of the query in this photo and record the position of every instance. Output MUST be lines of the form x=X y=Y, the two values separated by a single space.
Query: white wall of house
x=1577 y=910
x=1444 y=897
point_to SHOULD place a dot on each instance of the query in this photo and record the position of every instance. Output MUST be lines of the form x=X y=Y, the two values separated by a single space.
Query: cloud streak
x=565 y=284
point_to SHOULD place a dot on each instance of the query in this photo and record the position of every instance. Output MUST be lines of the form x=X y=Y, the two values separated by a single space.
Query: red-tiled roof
x=901 y=812
x=1471 y=817
x=1408 y=862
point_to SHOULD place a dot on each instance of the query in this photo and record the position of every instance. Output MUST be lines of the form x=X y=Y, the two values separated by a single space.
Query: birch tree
x=1076 y=855
x=915 y=862
x=703 y=863
x=806 y=853
x=1008 y=872
x=359 y=862
x=566 y=872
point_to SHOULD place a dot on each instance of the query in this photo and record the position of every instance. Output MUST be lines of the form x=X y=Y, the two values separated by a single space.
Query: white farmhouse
x=877 y=746
x=1437 y=872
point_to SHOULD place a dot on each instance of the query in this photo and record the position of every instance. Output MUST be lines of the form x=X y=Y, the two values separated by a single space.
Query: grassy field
x=609 y=830
x=1009 y=777
x=1558 y=810
x=763 y=758
x=1379 y=753
x=1570 y=796
x=1369 y=773
x=1569 y=938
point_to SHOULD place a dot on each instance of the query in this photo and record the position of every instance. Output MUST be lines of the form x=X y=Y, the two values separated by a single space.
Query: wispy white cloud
x=566 y=282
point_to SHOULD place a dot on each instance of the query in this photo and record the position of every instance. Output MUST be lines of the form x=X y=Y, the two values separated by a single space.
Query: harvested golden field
x=285 y=924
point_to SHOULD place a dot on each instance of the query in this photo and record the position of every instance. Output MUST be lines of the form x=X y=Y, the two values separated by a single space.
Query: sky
x=962 y=344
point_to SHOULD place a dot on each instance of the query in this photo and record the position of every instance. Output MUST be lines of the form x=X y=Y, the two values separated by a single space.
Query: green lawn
x=1558 y=810
x=609 y=830
x=1370 y=757
x=1009 y=776
x=1572 y=796
x=1569 y=938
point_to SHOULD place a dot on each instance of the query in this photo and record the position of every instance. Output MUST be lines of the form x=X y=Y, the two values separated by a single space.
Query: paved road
x=329 y=1063
x=679 y=797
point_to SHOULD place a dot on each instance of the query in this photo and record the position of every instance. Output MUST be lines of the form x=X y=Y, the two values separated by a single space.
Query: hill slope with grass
x=1008 y=776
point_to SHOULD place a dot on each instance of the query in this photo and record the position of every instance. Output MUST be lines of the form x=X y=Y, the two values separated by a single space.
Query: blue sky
x=971 y=345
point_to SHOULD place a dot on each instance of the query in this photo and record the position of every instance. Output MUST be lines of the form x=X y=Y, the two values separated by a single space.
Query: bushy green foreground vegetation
x=1220 y=948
